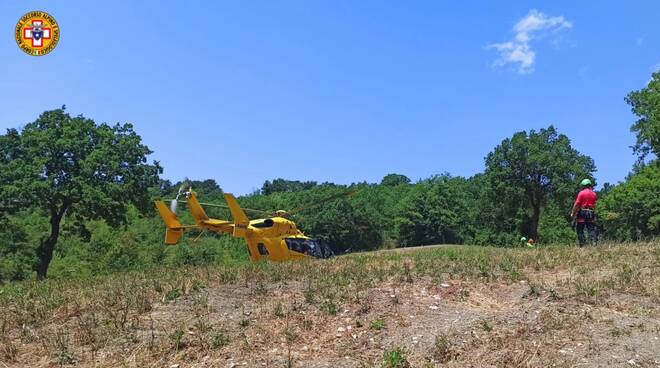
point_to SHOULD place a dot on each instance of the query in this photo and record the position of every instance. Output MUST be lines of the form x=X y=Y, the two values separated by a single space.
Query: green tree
x=631 y=210
x=432 y=213
x=645 y=104
x=379 y=204
x=530 y=169
x=283 y=186
x=491 y=224
x=394 y=179
x=340 y=225
x=70 y=166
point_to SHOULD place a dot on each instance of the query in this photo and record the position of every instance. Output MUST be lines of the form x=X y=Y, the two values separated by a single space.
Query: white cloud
x=512 y=52
x=518 y=51
x=639 y=41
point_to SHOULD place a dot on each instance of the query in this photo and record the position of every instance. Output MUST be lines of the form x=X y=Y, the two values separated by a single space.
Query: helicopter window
x=264 y=223
x=305 y=246
x=310 y=247
x=262 y=249
x=294 y=244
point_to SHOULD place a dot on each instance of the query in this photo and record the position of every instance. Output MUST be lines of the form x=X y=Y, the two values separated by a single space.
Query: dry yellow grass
x=454 y=306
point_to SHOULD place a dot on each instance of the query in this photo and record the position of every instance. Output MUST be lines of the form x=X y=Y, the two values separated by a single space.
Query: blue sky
x=339 y=91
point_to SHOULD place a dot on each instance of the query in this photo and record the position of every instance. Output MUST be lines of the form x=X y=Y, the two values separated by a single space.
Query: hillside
x=447 y=306
x=459 y=186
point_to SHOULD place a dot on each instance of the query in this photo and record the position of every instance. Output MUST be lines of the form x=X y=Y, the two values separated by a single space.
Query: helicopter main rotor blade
x=294 y=211
x=225 y=206
x=323 y=201
x=219 y=205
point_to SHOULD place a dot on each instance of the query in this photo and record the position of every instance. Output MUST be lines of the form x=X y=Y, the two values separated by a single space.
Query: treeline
x=76 y=199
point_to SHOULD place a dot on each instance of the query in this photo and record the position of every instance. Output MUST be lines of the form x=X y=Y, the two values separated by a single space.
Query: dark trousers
x=591 y=229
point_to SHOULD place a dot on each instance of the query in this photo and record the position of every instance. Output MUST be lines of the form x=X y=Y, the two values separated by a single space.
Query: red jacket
x=586 y=199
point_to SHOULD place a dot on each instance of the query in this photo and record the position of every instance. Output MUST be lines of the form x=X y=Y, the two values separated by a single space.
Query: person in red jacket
x=584 y=214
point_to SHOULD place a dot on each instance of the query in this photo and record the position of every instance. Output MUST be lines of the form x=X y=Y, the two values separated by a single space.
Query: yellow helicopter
x=275 y=238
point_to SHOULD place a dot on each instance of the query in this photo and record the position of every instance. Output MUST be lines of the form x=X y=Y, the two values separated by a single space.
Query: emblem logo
x=37 y=33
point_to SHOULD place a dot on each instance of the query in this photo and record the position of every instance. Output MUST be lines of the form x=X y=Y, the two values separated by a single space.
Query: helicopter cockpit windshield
x=310 y=247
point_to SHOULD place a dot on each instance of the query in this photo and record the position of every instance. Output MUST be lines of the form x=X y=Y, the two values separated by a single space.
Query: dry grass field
x=447 y=306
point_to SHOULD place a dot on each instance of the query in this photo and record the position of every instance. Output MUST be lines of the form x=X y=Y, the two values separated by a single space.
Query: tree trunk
x=47 y=246
x=534 y=222
x=535 y=199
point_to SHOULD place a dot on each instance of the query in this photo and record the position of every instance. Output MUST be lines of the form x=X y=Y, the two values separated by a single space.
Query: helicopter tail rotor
x=179 y=194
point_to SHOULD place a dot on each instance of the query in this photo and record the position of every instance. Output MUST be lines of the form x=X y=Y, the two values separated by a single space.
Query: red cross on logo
x=37 y=33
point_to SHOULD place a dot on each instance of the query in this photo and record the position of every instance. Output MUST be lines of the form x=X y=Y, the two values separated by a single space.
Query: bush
x=555 y=226
x=19 y=237
x=631 y=210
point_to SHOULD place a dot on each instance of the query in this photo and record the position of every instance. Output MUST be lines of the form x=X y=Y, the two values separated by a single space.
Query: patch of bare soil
x=454 y=324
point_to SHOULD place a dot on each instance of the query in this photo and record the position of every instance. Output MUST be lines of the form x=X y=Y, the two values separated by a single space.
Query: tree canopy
x=433 y=212
x=394 y=179
x=645 y=103
x=532 y=168
x=71 y=166
x=281 y=185
x=631 y=210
